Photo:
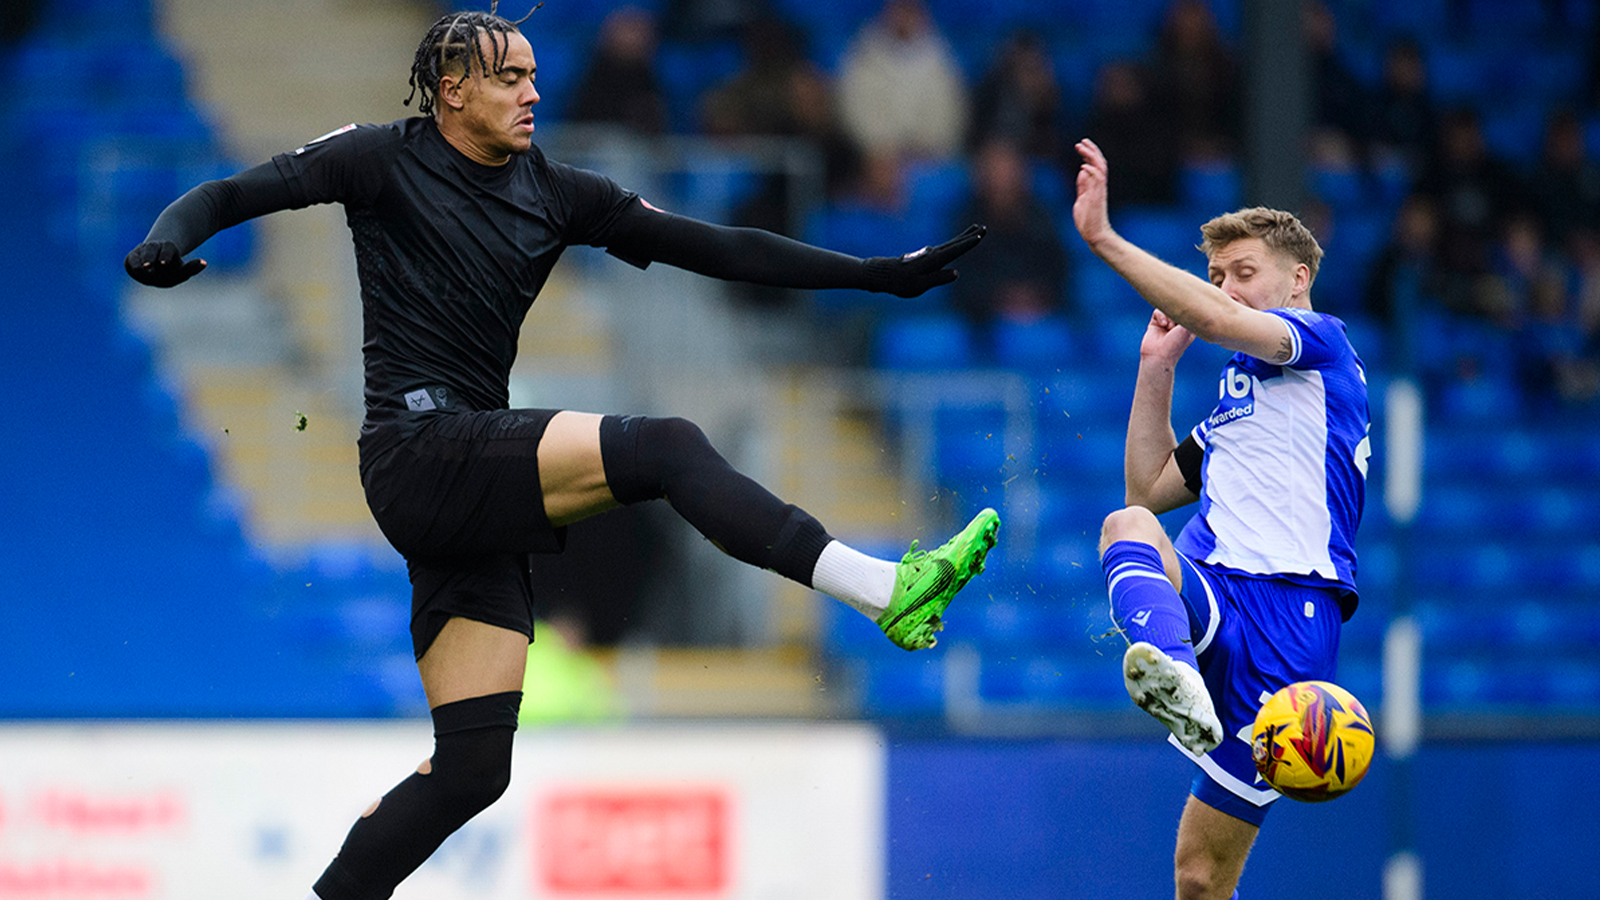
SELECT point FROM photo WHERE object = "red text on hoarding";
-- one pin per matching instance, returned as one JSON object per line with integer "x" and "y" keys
{"x": 633, "y": 841}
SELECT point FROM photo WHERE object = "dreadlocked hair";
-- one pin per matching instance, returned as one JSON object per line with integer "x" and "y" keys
{"x": 452, "y": 45}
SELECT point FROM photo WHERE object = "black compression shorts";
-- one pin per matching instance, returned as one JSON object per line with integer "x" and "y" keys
{"x": 460, "y": 499}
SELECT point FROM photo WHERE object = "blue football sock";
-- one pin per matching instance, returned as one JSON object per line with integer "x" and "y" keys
{"x": 1144, "y": 604}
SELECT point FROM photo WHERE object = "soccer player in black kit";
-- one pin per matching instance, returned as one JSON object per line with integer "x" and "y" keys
{"x": 457, "y": 219}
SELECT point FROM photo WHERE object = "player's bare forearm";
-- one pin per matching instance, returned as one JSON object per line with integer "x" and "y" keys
{"x": 1190, "y": 301}
{"x": 1150, "y": 440}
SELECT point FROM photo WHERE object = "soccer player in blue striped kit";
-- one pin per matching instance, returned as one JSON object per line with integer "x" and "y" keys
{"x": 1252, "y": 594}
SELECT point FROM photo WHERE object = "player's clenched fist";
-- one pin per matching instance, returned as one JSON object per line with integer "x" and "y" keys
{"x": 159, "y": 264}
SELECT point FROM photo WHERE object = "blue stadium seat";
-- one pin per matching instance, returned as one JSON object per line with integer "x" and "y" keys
{"x": 1071, "y": 561}
{"x": 861, "y": 231}
{"x": 1114, "y": 330}
{"x": 1210, "y": 189}
{"x": 1528, "y": 511}
{"x": 1553, "y": 76}
{"x": 1021, "y": 618}
{"x": 687, "y": 72}
{"x": 1343, "y": 188}
{"x": 1517, "y": 622}
{"x": 1077, "y": 62}
{"x": 711, "y": 187}
{"x": 831, "y": 26}
{"x": 1097, "y": 289}
{"x": 125, "y": 19}
{"x": 926, "y": 341}
{"x": 1094, "y": 451}
{"x": 935, "y": 189}
{"x": 1479, "y": 681}
{"x": 1057, "y": 679}
{"x": 1172, "y": 235}
{"x": 1506, "y": 20}
{"x": 1043, "y": 346}
{"x": 902, "y": 685}
{"x": 1370, "y": 339}
{"x": 1359, "y": 235}
{"x": 1459, "y": 75}
{"x": 1084, "y": 396}
{"x": 1421, "y": 18}
{"x": 1392, "y": 181}
{"x": 1515, "y": 131}
{"x": 970, "y": 444}
{"x": 1118, "y": 28}
{"x": 1486, "y": 398}
{"x": 1052, "y": 188}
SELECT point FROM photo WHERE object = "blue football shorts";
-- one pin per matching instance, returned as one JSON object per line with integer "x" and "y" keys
{"x": 1253, "y": 636}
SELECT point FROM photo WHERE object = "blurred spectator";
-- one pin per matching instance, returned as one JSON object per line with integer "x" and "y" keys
{"x": 1476, "y": 192}
{"x": 1529, "y": 291}
{"x": 882, "y": 186}
{"x": 1566, "y": 185}
{"x": 1340, "y": 101}
{"x": 1403, "y": 117}
{"x": 1019, "y": 271}
{"x": 1197, "y": 80}
{"x": 17, "y": 18}
{"x": 901, "y": 92}
{"x": 779, "y": 92}
{"x": 1585, "y": 249}
{"x": 759, "y": 98}
{"x": 1408, "y": 262}
{"x": 1521, "y": 268}
{"x": 1129, "y": 128}
{"x": 1019, "y": 101}
{"x": 621, "y": 86}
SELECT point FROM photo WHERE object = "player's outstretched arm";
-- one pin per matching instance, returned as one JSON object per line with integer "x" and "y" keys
{"x": 1192, "y": 302}
{"x": 643, "y": 234}
{"x": 189, "y": 220}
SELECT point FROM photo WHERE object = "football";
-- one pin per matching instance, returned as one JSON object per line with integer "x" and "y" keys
{"x": 1312, "y": 741}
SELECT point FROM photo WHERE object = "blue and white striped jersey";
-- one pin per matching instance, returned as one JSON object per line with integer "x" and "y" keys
{"x": 1286, "y": 461}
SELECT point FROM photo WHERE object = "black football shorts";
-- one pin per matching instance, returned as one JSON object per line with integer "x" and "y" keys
{"x": 459, "y": 497}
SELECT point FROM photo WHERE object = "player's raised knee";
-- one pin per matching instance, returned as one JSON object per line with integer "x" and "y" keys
{"x": 1131, "y": 523}
{"x": 678, "y": 433}
{"x": 1198, "y": 881}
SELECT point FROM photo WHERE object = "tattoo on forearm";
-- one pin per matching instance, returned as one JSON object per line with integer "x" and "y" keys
{"x": 1285, "y": 350}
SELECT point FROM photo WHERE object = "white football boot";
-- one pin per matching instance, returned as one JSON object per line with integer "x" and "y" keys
{"x": 1175, "y": 694}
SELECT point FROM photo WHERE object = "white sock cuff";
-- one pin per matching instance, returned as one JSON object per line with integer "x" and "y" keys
{"x": 865, "y": 582}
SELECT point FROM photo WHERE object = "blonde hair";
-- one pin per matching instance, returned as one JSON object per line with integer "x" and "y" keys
{"x": 1279, "y": 230}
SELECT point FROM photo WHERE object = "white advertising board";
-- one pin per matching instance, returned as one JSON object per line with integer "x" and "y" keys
{"x": 687, "y": 812}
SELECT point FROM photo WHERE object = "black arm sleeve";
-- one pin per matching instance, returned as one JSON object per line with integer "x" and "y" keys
{"x": 216, "y": 205}
{"x": 1190, "y": 459}
{"x": 641, "y": 235}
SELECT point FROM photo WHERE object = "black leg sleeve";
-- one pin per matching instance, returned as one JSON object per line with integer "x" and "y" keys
{"x": 648, "y": 458}
{"x": 470, "y": 769}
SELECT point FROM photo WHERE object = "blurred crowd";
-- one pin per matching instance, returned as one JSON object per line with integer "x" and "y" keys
{"x": 1500, "y": 251}
{"x": 1513, "y": 246}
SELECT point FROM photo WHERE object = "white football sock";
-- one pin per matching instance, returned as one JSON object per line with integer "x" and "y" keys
{"x": 864, "y": 582}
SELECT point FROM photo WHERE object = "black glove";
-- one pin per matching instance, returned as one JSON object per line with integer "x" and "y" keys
{"x": 159, "y": 264}
{"x": 919, "y": 270}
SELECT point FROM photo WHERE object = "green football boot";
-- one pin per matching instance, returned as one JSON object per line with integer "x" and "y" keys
{"x": 925, "y": 581}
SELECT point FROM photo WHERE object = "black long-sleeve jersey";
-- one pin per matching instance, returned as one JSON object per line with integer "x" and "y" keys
{"x": 452, "y": 253}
